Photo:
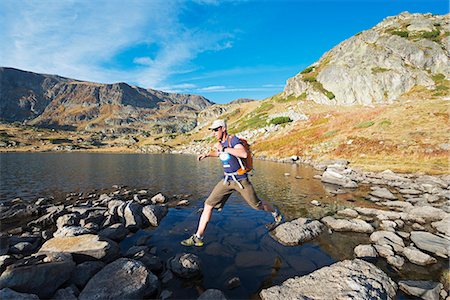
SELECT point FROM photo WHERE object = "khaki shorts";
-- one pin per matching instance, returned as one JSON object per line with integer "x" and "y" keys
{"x": 222, "y": 192}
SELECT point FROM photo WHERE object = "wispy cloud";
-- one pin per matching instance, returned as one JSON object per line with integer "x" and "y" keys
{"x": 212, "y": 88}
{"x": 80, "y": 39}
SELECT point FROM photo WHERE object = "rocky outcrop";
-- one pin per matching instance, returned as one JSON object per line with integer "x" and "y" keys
{"x": 378, "y": 65}
{"x": 349, "y": 279}
{"x": 54, "y": 101}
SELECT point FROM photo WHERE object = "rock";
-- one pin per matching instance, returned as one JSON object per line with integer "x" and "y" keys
{"x": 183, "y": 203}
{"x": 152, "y": 262}
{"x": 122, "y": 279}
{"x": 85, "y": 271}
{"x": 397, "y": 204}
{"x": 133, "y": 216}
{"x": 365, "y": 251}
{"x": 82, "y": 247}
{"x": 153, "y": 214}
{"x": 388, "y": 225}
{"x": 9, "y": 294}
{"x": 65, "y": 294}
{"x": 388, "y": 238}
{"x": 418, "y": 257}
{"x": 134, "y": 250}
{"x": 166, "y": 294}
{"x": 233, "y": 283}
{"x": 353, "y": 225}
{"x": 443, "y": 226}
{"x": 41, "y": 276}
{"x": 287, "y": 174}
{"x": 396, "y": 261}
{"x": 185, "y": 265}
{"x": 431, "y": 243}
{"x": 5, "y": 260}
{"x": 425, "y": 214}
{"x": 383, "y": 193}
{"x": 24, "y": 248}
{"x": 72, "y": 219}
{"x": 410, "y": 191}
{"x": 210, "y": 294}
{"x": 348, "y": 213}
{"x": 417, "y": 227}
{"x": 315, "y": 202}
{"x": 67, "y": 231}
{"x": 113, "y": 206}
{"x": 115, "y": 232}
{"x": 384, "y": 250}
{"x": 427, "y": 290}
{"x": 166, "y": 276}
{"x": 298, "y": 231}
{"x": 338, "y": 179}
{"x": 159, "y": 198}
{"x": 372, "y": 212}
{"x": 349, "y": 279}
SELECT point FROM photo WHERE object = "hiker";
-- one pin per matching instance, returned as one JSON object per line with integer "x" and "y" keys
{"x": 231, "y": 151}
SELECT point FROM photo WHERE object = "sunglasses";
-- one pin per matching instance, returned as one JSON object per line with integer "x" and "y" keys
{"x": 216, "y": 129}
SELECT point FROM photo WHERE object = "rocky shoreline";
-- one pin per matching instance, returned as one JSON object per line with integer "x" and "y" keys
{"x": 70, "y": 249}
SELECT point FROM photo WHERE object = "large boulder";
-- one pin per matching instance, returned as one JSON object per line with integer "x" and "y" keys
{"x": 41, "y": 275}
{"x": 353, "y": 225}
{"x": 9, "y": 294}
{"x": 115, "y": 232}
{"x": 298, "y": 231}
{"x": 85, "y": 271}
{"x": 185, "y": 265}
{"x": 133, "y": 216}
{"x": 122, "y": 279}
{"x": 429, "y": 242}
{"x": 349, "y": 279}
{"x": 83, "y": 247}
{"x": 153, "y": 214}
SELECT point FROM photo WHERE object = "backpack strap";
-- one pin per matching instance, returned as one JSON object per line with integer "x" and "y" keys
{"x": 229, "y": 140}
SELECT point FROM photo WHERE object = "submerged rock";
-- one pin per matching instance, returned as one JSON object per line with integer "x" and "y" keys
{"x": 122, "y": 279}
{"x": 185, "y": 265}
{"x": 298, "y": 231}
{"x": 349, "y": 279}
{"x": 212, "y": 294}
{"x": 333, "y": 177}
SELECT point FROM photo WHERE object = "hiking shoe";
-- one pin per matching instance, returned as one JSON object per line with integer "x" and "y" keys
{"x": 192, "y": 241}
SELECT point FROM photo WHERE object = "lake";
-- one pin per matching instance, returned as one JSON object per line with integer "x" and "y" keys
{"x": 237, "y": 243}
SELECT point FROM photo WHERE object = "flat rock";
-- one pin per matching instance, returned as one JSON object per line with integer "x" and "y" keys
{"x": 425, "y": 214}
{"x": 333, "y": 177}
{"x": 373, "y": 212}
{"x": 185, "y": 265}
{"x": 429, "y": 242}
{"x": 427, "y": 290}
{"x": 396, "y": 261}
{"x": 352, "y": 225}
{"x": 297, "y": 231}
{"x": 443, "y": 226}
{"x": 383, "y": 193}
{"x": 384, "y": 250}
{"x": 41, "y": 276}
{"x": 9, "y": 294}
{"x": 153, "y": 214}
{"x": 397, "y": 204}
{"x": 348, "y": 213}
{"x": 122, "y": 279}
{"x": 418, "y": 257}
{"x": 82, "y": 247}
{"x": 349, "y": 279}
{"x": 388, "y": 238}
{"x": 365, "y": 251}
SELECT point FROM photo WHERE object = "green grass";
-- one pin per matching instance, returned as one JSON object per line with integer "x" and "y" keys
{"x": 250, "y": 122}
{"x": 307, "y": 70}
{"x": 385, "y": 123}
{"x": 431, "y": 35}
{"x": 280, "y": 120}
{"x": 364, "y": 124}
{"x": 330, "y": 133}
{"x": 400, "y": 33}
{"x": 266, "y": 106}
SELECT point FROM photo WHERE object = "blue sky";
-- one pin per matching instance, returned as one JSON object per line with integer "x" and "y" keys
{"x": 222, "y": 50}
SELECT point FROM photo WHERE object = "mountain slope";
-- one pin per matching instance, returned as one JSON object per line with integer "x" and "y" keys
{"x": 54, "y": 101}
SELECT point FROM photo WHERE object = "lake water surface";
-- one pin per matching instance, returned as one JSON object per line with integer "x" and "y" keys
{"x": 237, "y": 244}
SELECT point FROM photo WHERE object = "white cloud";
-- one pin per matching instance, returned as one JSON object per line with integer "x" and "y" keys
{"x": 213, "y": 88}
{"x": 79, "y": 39}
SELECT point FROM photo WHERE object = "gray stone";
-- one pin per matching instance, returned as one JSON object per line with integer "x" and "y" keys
{"x": 83, "y": 247}
{"x": 372, "y": 212}
{"x": 298, "y": 231}
{"x": 348, "y": 213}
{"x": 388, "y": 225}
{"x": 365, "y": 251}
{"x": 67, "y": 231}
{"x": 5, "y": 260}
{"x": 153, "y": 214}
{"x": 384, "y": 250}
{"x": 333, "y": 177}
{"x": 396, "y": 261}
{"x": 122, "y": 279}
{"x": 397, "y": 204}
{"x": 113, "y": 206}
{"x": 115, "y": 232}
{"x": 418, "y": 257}
{"x": 9, "y": 294}
{"x": 388, "y": 238}
{"x": 427, "y": 290}
{"x": 72, "y": 219}
{"x": 85, "y": 271}
{"x": 349, "y": 279}
{"x": 383, "y": 193}
{"x": 41, "y": 276}
{"x": 431, "y": 243}
{"x": 353, "y": 225}
{"x": 212, "y": 294}
{"x": 65, "y": 294}
{"x": 185, "y": 265}
{"x": 443, "y": 226}
{"x": 133, "y": 216}
{"x": 166, "y": 294}
{"x": 159, "y": 198}
{"x": 24, "y": 248}
{"x": 425, "y": 214}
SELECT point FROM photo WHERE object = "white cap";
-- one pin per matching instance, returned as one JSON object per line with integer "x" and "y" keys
{"x": 218, "y": 123}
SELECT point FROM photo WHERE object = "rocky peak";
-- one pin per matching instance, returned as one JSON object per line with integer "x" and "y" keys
{"x": 380, "y": 64}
